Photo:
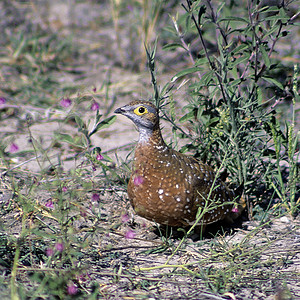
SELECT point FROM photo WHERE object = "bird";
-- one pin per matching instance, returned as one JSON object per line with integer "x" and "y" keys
{"x": 168, "y": 187}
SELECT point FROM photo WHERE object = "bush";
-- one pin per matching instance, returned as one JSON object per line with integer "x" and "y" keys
{"x": 234, "y": 87}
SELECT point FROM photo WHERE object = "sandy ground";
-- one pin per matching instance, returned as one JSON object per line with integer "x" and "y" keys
{"x": 95, "y": 61}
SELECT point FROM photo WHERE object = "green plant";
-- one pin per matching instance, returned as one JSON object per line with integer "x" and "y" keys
{"x": 63, "y": 235}
{"x": 34, "y": 56}
{"x": 285, "y": 145}
{"x": 230, "y": 90}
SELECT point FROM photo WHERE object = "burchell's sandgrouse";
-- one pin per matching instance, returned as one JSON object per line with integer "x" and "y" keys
{"x": 169, "y": 187}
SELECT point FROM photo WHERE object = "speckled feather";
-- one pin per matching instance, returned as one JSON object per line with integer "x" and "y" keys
{"x": 166, "y": 186}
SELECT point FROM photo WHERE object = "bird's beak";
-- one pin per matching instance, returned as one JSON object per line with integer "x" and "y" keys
{"x": 119, "y": 110}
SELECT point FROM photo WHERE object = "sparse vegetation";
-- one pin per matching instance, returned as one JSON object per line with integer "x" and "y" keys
{"x": 231, "y": 98}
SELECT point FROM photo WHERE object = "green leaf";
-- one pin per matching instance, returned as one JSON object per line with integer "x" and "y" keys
{"x": 265, "y": 55}
{"x": 98, "y": 116}
{"x": 185, "y": 72}
{"x": 165, "y": 89}
{"x": 201, "y": 61}
{"x": 106, "y": 157}
{"x": 79, "y": 122}
{"x": 237, "y": 19}
{"x": 269, "y": 9}
{"x": 206, "y": 78}
{"x": 283, "y": 15}
{"x": 83, "y": 141}
{"x": 189, "y": 116}
{"x": 273, "y": 81}
{"x": 233, "y": 83}
{"x": 212, "y": 121}
{"x": 173, "y": 46}
{"x": 239, "y": 60}
{"x": 63, "y": 137}
{"x": 103, "y": 124}
{"x": 241, "y": 48}
{"x": 259, "y": 95}
{"x": 271, "y": 30}
{"x": 221, "y": 7}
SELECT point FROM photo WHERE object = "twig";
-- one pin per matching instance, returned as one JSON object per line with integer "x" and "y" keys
{"x": 212, "y": 66}
{"x": 185, "y": 45}
{"x": 20, "y": 164}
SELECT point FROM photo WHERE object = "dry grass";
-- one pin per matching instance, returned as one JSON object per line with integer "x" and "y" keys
{"x": 67, "y": 229}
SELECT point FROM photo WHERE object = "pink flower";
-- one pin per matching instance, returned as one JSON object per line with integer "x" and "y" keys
{"x": 49, "y": 252}
{"x": 13, "y": 148}
{"x": 64, "y": 189}
{"x": 66, "y": 102}
{"x": 94, "y": 106}
{"x": 95, "y": 197}
{"x": 130, "y": 234}
{"x": 125, "y": 218}
{"x": 49, "y": 204}
{"x": 59, "y": 247}
{"x": 2, "y": 100}
{"x": 138, "y": 180}
{"x": 72, "y": 289}
{"x": 99, "y": 157}
{"x": 235, "y": 210}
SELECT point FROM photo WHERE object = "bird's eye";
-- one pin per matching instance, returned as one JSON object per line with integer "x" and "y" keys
{"x": 141, "y": 110}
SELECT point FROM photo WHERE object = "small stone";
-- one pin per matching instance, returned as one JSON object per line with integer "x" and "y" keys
{"x": 285, "y": 220}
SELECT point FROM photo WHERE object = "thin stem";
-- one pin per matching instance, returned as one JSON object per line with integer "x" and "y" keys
{"x": 214, "y": 19}
{"x": 185, "y": 45}
{"x": 212, "y": 66}
{"x": 151, "y": 65}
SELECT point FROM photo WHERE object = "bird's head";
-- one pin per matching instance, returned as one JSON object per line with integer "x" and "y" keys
{"x": 143, "y": 114}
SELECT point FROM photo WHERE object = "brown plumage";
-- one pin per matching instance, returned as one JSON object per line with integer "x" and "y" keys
{"x": 166, "y": 186}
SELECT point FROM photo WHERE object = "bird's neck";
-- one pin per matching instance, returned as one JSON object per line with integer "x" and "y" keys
{"x": 150, "y": 137}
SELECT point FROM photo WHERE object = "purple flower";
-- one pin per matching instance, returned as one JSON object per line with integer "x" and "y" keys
{"x": 49, "y": 204}
{"x": 99, "y": 157}
{"x": 13, "y": 148}
{"x": 72, "y": 289}
{"x": 130, "y": 234}
{"x": 94, "y": 89}
{"x": 65, "y": 102}
{"x": 235, "y": 210}
{"x": 64, "y": 189}
{"x": 95, "y": 197}
{"x": 59, "y": 247}
{"x": 2, "y": 100}
{"x": 125, "y": 218}
{"x": 49, "y": 252}
{"x": 94, "y": 106}
{"x": 138, "y": 180}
